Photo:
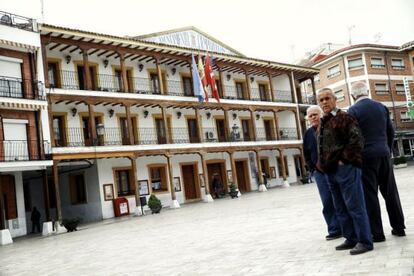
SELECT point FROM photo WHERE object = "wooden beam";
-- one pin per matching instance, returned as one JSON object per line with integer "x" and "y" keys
{"x": 55, "y": 171}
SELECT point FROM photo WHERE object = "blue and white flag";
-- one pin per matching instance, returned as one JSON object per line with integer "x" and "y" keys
{"x": 197, "y": 86}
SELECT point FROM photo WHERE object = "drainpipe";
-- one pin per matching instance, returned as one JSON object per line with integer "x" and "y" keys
{"x": 346, "y": 81}
{"x": 400, "y": 151}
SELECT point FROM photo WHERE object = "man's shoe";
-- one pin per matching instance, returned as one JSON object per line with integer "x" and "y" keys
{"x": 378, "y": 238}
{"x": 359, "y": 249}
{"x": 333, "y": 237}
{"x": 398, "y": 233}
{"x": 345, "y": 245}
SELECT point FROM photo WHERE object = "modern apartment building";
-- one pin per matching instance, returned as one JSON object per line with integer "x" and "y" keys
{"x": 384, "y": 69}
{"x": 24, "y": 128}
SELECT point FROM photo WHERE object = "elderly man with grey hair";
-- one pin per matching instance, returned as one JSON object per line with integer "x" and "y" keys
{"x": 377, "y": 172}
{"x": 310, "y": 150}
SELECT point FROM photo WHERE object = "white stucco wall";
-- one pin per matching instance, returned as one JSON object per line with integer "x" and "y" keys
{"x": 17, "y": 226}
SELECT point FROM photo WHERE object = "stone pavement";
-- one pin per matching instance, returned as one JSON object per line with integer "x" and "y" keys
{"x": 280, "y": 232}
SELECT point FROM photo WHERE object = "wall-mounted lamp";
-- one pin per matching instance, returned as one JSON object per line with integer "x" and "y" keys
{"x": 179, "y": 114}
{"x": 68, "y": 59}
{"x": 74, "y": 111}
{"x": 251, "y": 79}
{"x": 145, "y": 112}
{"x": 105, "y": 63}
{"x": 111, "y": 113}
{"x": 228, "y": 76}
{"x": 257, "y": 116}
{"x": 173, "y": 71}
{"x": 140, "y": 67}
{"x": 208, "y": 115}
{"x": 234, "y": 116}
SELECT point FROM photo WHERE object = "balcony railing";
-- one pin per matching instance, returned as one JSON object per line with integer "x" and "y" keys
{"x": 17, "y": 21}
{"x": 308, "y": 99}
{"x": 111, "y": 83}
{"x": 79, "y": 137}
{"x": 21, "y": 88}
{"x": 283, "y": 96}
{"x": 288, "y": 133}
{"x": 398, "y": 67}
{"x": 382, "y": 91}
{"x": 334, "y": 74}
{"x": 23, "y": 150}
{"x": 378, "y": 66}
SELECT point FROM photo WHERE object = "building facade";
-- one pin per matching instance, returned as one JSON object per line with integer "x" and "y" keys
{"x": 383, "y": 68}
{"x": 24, "y": 129}
{"x": 124, "y": 122}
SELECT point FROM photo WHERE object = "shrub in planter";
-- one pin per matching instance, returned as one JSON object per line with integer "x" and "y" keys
{"x": 71, "y": 224}
{"x": 233, "y": 191}
{"x": 154, "y": 204}
{"x": 400, "y": 160}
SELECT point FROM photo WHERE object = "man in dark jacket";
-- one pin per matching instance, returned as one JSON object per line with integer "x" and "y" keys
{"x": 310, "y": 150}
{"x": 340, "y": 145}
{"x": 377, "y": 172}
{"x": 35, "y": 218}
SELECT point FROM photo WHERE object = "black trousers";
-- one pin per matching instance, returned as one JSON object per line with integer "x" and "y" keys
{"x": 378, "y": 173}
{"x": 35, "y": 224}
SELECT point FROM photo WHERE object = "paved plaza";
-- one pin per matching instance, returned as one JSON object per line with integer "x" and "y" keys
{"x": 280, "y": 232}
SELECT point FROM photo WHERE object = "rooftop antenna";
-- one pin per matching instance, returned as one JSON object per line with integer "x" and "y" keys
{"x": 377, "y": 37}
{"x": 350, "y": 28}
{"x": 42, "y": 11}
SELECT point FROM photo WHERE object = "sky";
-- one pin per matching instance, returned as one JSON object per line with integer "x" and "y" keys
{"x": 278, "y": 30}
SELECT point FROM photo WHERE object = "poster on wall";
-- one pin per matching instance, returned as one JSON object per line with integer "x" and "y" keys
{"x": 108, "y": 190}
{"x": 143, "y": 187}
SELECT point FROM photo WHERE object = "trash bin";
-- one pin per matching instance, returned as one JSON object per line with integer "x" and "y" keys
{"x": 121, "y": 206}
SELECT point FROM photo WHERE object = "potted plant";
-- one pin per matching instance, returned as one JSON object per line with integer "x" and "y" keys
{"x": 400, "y": 162}
{"x": 233, "y": 191}
{"x": 154, "y": 204}
{"x": 71, "y": 224}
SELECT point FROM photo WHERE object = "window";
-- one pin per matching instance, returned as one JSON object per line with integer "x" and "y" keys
{"x": 333, "y": 71}
{"x": 188, "y": 86}
{"x": 377, "y": 62}
{"x": 239, "y": 90}
{"x": 155, "y": 84}
{"x": 263, "y": 92}
{"x": 77, "y": 188}
{"x": 59, "y": 130}
{"x": 381, "y": 88}
{"x": 123, "y": 182}
{"x": 355, "y": 63}
{"x": 53, "y": 74}
{"x": 397, "y": 63}
{"x": 158, "y": 178}
{"x": 404, "y": 117}
{"x": 399, "y": 87}
{"x": 340, "y": 96}
{"x": 317, "y": 78}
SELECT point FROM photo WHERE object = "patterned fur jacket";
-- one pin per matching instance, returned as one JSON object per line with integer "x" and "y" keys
{"x": 339, "y": 139}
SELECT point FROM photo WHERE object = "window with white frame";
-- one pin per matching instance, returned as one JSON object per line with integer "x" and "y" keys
{"x": 333, "y": 71}
{"x": 355, "y": 63}
{"x": 381, "y": 88}
{"x": 404, "y": 117}
{"x": 397, "y": 63}
{"x": 377, "y": 62}
{"x": 340, "y": 96}
{"x": 399, "y": 88}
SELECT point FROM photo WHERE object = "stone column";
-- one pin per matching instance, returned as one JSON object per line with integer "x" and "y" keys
{"x": 134, "y": 180}
{"x": 208, "y": 197}
{"x": 198, "y": 120}
{"x": 233, "y": 169}
{"x": 174, "y": 201}
{"x": 46, "y": 194}
{"x": 262, "y": 186}
{"x": 282, "y": 160}
{"x": 55, "y": 170}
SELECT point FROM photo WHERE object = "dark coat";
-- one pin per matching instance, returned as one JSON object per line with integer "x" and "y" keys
{"x": 376, "y": 127}
{"x": 35, "y": 216}
{"x": 339, "y": 139}
{"x": 310, "y": 148}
